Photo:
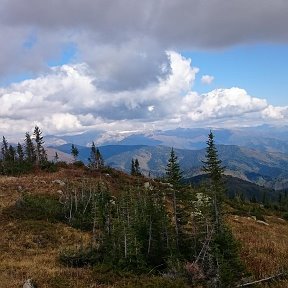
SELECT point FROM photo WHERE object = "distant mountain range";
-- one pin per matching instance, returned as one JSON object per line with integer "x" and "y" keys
{"x": 241, "y": 188}
{"x": 264, "y": 138}
{"x": 268, "y": 169}
{"x": 255, "y": 154}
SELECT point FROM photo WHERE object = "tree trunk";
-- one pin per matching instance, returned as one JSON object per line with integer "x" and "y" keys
{"x": 176, "y": 219}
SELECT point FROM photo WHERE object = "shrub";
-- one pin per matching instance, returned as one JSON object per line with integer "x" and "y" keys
{"x": 226, "y": 251}
{"x": 258, "y": 213}
{"x": 62, "y": 164}
{"x": 285, "y": 216}
{"x": 49, "y": 166}
{"x": 79, "y": 257}
{"x": 78, "y": 164}
{"x": 37, "y": 207}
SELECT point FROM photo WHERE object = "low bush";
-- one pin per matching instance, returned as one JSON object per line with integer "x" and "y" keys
{"x": 37, "y": 207}
{"x": 49, "y": 166}
{"x": 79, "y": 257}
{"x": 78, "y": 164}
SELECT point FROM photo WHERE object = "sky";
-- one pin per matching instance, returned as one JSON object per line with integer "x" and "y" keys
{"x": 72, "y": 66}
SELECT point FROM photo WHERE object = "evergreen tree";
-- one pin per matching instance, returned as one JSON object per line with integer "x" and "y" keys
{"x": 132, "y": 170}
{"x": 212, "y": 164}
{"x": 4, "y": 149}
{"x": 137, "y": 167}
{"x": 174, "y": 176}
{"x": 95, "y": 160}
{"x": 11, "y": 154}
{"x": 173, "y": 172}
{"x": 56, "y": 157}
{"x": 8, "y": 158}
{"x": 222, "y": 265}
{"x": 40, "y": 152}
{"x": 20, "y": 152}
{"x": 29, "y": 149}
{"x": 74, "y": 152}
{"x": 214, "y": 169}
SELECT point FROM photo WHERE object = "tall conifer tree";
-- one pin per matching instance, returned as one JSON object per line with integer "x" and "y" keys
{"x": 29, "y": 149}
{"x": 74, "y": 152}
{"x": 95, "y": 160}
{"x": 224, "y": 267}
{"x": 40, "y": 152}
{"x": 173, "y": 171}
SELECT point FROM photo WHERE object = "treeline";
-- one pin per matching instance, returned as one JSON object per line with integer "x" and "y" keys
{"x": 95, "y": 161}
{"x": 31, "y": 155}
{"x": 26, "y": 157}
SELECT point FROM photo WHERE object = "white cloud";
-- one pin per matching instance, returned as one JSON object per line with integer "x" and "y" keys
{"x": 221, "y": 104}
{"x": 151, "y": 108}
{"x": 68, "y": 100}
{"x": 207, "y": 79}
{"x": 275, "y": 113}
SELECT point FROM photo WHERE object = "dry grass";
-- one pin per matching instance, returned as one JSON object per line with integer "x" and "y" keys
{"x": 30, "y": 248}
{"x": 264, "y": 247}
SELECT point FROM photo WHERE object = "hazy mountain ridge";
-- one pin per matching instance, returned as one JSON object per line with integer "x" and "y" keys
{"x": 263, "y": 138}
{"x": 240, "y": 188}
{"x": 256, "y": 154}
{"x": 269, "y": 169}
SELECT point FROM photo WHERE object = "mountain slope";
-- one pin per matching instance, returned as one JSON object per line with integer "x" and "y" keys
{"x": 241, "y": 188}
{"x": 269, "y": 169}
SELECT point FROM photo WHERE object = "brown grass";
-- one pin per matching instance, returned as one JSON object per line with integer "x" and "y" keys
{"x": 30, "y": 248}
{"x": 264, "y": 247}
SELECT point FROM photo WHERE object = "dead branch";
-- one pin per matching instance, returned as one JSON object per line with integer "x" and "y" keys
{"x": 263, "y": 280}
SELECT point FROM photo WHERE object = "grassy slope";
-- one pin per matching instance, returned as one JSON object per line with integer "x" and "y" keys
{"x": 30, "y": 248}
{"x": 264, "y": 247}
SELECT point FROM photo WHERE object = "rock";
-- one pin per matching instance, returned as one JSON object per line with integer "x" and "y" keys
{"x": 236, "y": 219}
{"x": 147, "y": 186}
{"x": 166, "y": 184}
{"x": 28, "y": 284}
{"x": 60, "y": 192}
{"x": 58, "y": 181}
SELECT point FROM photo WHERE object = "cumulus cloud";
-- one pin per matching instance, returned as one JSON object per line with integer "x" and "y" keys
{"x": 221, "y": 103}
{"x": 207, "y": 79}
{"x": 275, "y": 113}
{"x": 69, "y": 99}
